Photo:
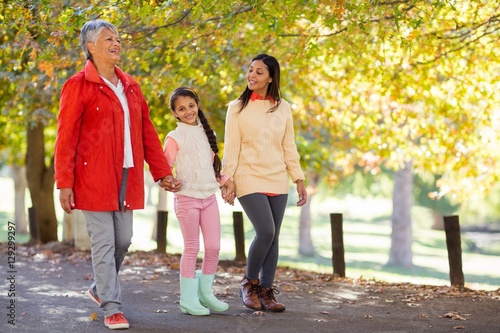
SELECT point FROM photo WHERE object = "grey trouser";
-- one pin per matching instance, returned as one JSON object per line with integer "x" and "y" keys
{"x": 266, "y": 214}
{"x": 110, "y": 236}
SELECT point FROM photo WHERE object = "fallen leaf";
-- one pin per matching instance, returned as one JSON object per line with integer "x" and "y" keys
{"x": 453, "y": 316}
{"x": 259, "y": 313}
{"x": 93, "y": 316}
{"x": 458, "y": 327}
{"x": 422, "y": 316}
{"x": 288, "y": 287}
{"x": 367, "y": 316}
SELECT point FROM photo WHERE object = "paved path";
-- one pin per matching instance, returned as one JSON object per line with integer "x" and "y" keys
{"x": 49, "y": 298}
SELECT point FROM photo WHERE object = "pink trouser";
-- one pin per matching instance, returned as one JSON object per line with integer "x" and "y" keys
{"x": 192, "y": 214}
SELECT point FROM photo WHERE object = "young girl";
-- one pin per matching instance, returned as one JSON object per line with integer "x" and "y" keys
{"x": 192, "y": 148}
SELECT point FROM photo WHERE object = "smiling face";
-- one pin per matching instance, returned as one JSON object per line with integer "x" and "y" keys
{"x": 186, "y": 110}
{"x": 106, "y": 49}
{"x": 258, "y": 77}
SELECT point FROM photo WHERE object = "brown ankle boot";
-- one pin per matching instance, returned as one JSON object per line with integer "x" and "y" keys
{"x": 268, "y": 301}
{"x": 249, "y": 292}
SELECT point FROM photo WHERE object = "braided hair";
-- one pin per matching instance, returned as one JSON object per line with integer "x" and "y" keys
{"x": 184, "y": 91}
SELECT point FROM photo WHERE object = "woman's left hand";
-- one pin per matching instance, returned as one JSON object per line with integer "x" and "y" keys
{"x": 301, "y": 191}
{"x": 228, "y": 192}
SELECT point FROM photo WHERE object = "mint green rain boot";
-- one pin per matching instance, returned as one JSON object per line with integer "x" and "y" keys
{"x": 189, "y": 297}
{"x": 206, "y": 294}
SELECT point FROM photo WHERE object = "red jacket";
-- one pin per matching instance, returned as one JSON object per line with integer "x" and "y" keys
{"x": 90, "y": 140}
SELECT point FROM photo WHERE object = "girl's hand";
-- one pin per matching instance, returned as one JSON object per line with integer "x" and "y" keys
{"x": 171, "y": 184}
{"x": 228, "y": 192}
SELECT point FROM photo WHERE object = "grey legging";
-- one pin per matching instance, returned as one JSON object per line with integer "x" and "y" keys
{"x": 266, "y": 214}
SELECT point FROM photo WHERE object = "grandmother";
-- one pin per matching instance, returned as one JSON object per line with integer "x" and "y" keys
{"x": 104, "y": 136}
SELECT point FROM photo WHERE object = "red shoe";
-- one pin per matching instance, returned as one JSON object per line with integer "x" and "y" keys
{"x": 93, "y": 297}
{"x": 116, "y": 322}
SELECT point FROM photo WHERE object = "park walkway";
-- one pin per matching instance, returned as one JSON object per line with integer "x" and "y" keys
{"x": 49, "y": 289}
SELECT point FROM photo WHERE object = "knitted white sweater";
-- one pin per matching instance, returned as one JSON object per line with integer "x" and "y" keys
{"x": 194, "y": 161}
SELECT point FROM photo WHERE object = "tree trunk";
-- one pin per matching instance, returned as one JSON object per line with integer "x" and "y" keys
{"x": 41, "y": 183}
{"x": 306, "y": 247}
{"x": 20, "y": 185}
{"x": 68, "y": 229}
{"x": 437, "y": 221}
{"x": 401, "y": 238}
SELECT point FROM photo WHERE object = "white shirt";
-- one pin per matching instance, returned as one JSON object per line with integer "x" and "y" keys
{"x": 128, "y": 158}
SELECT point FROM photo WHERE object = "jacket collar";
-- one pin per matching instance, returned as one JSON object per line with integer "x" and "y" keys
{"x": 92, "y": 75}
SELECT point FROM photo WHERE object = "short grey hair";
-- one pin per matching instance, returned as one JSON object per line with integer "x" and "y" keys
{"x": 90, "y": 31}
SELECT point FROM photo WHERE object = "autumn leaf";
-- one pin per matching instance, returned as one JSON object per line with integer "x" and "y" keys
{"x": 453, "y": 316}
{"x": 88, "y": 277}
{"x": 93, "y": 316}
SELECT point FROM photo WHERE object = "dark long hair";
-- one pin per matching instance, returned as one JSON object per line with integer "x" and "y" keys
{"x": 184, "y": 91}
{"x": 273, "y": 89}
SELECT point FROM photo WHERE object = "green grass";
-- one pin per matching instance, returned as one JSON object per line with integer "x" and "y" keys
{"x": 367, "y": 230}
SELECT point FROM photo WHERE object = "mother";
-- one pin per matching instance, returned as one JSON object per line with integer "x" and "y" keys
{"x": 260, "y": 155}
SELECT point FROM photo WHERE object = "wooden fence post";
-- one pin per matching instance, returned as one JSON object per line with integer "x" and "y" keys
{"x": 338, "y": 260}
{"x": 452, "y": 230}
{"x": 161, "y": 231}
{"x": 239, "y": 236}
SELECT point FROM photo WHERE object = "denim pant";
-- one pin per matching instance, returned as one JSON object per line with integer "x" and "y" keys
{"x": 110, "y": 236}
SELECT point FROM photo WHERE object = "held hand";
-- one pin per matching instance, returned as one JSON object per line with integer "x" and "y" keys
{"x": 228, "y": 192}
{"x": 67, "y": 199}
{"x": 301, "y": 191}
{"x": 171, "y": 184}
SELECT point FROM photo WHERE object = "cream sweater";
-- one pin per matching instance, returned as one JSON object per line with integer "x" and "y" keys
{"x": 259, "y": 148}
